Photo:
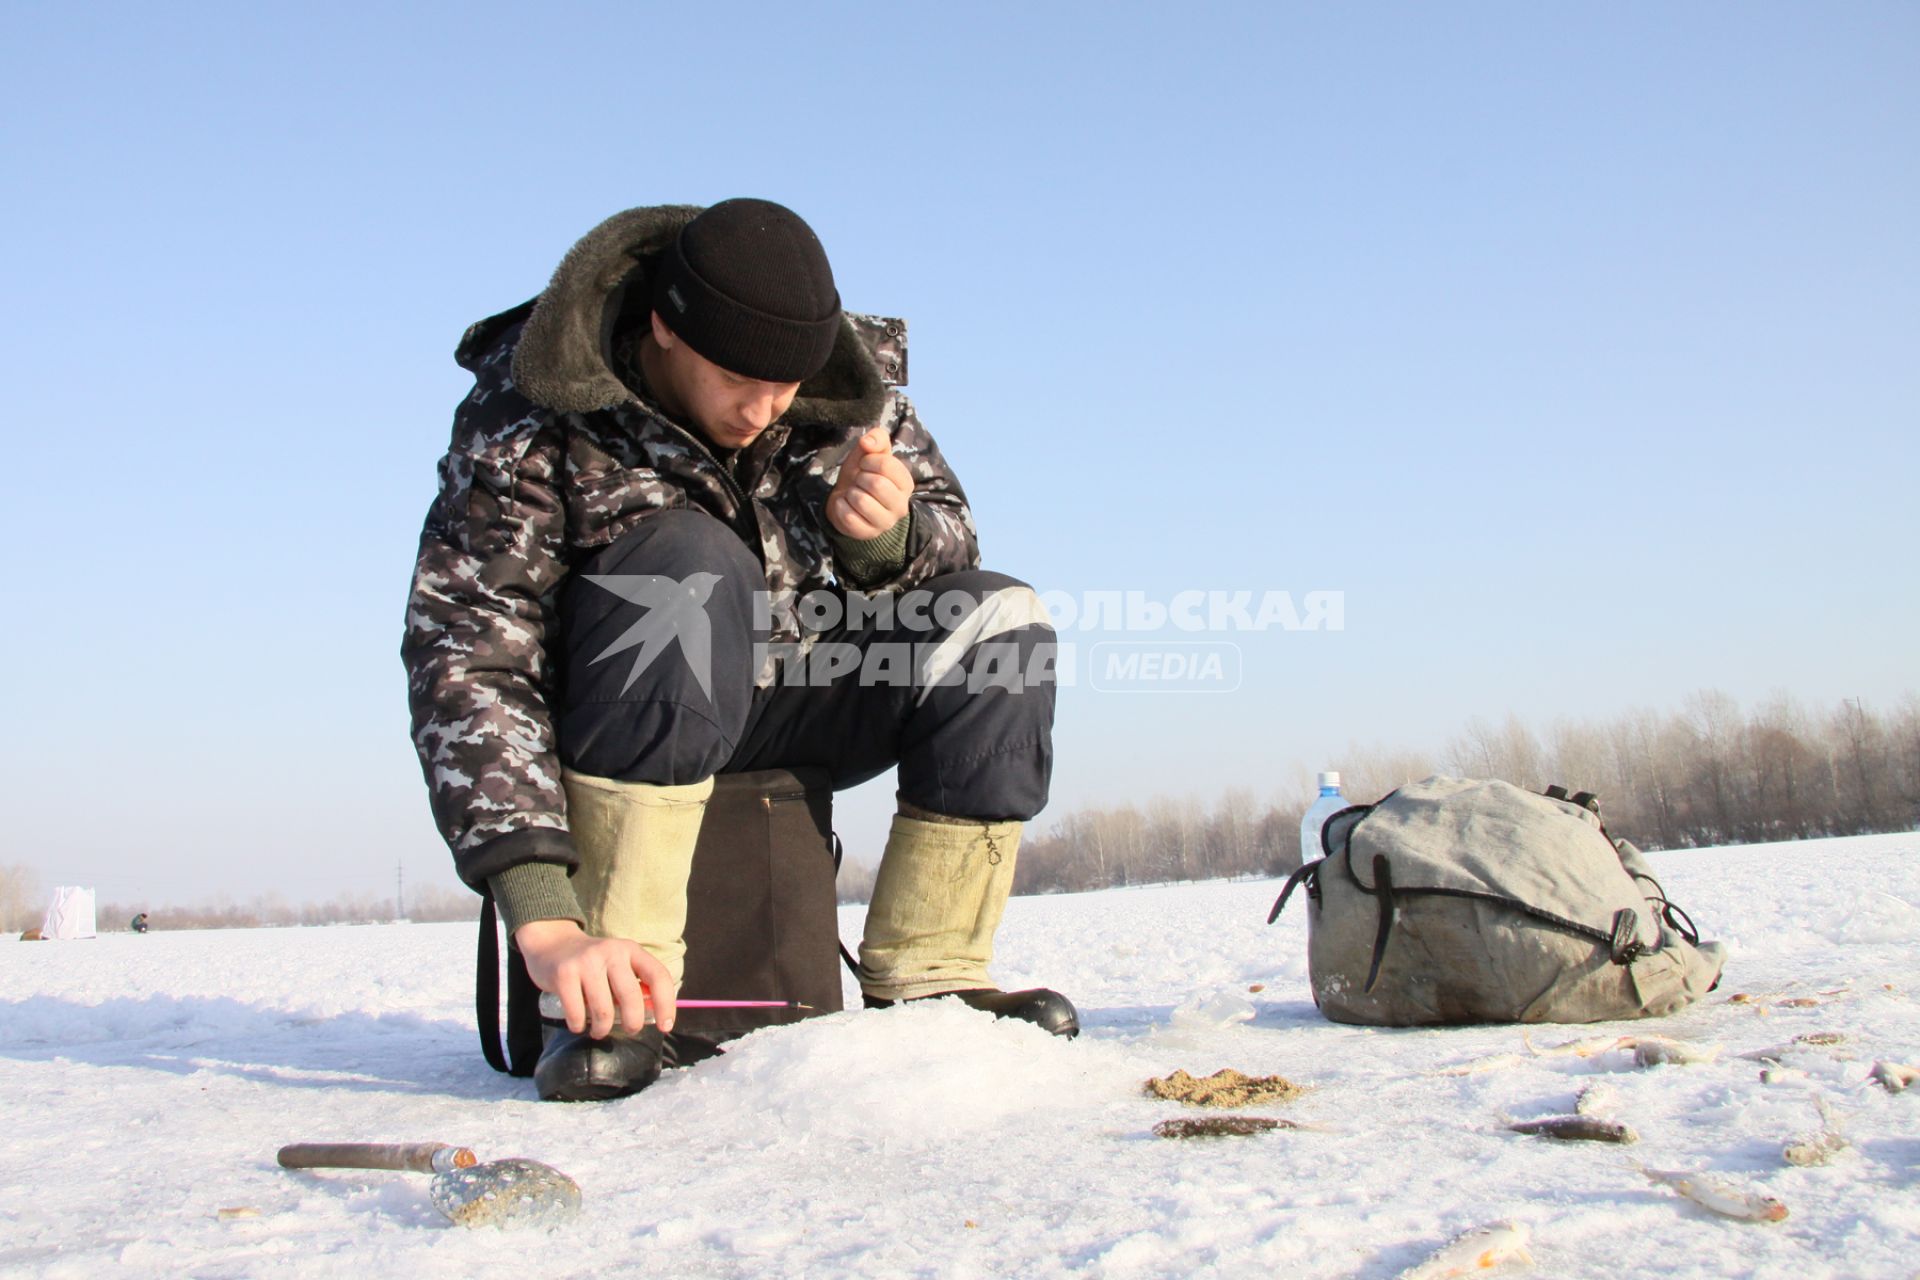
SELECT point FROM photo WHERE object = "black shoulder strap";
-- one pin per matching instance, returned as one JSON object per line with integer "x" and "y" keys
{"x": 846, "y": 956}
{"x": 486, "y": 986}
{"x": 523, "y": 1001}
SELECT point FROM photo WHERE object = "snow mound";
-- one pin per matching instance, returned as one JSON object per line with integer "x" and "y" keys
{"x": 925, "y": 1072}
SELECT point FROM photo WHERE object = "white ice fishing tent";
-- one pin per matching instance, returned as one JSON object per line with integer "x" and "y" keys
{"x": 71, "y": 915}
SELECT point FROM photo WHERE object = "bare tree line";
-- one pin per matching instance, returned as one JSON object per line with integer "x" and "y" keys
{"x": 1708, "y": 774}
{"x": 854, "y": 883}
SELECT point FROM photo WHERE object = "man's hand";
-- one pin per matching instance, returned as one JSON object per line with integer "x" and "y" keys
{"x": 596, "y": 979}
{"x": 871, "y": 494}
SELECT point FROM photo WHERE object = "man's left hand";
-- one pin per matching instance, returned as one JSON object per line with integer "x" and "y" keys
{"x": 871, "y": 494}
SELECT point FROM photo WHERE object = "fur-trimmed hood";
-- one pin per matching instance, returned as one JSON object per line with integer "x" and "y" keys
{"x": 564, "y": 357}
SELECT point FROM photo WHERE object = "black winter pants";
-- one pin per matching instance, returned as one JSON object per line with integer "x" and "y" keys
{"x": 663, "y": 631}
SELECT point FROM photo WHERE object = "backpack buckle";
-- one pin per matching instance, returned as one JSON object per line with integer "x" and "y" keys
{"x": 1624, "y": 946}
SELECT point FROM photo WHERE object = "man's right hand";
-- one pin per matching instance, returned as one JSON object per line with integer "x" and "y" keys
{"x": 596, "y": 979}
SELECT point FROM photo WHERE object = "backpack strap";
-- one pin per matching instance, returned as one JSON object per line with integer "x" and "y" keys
{"x": 846, "y": 956}
{"x": 1582, "y": 799}
{"x": 1682, "y": 922}
{"x": 523, "y": 1000}
{"x": 1676, "y": 919}
{"x": 1383, "y": 878}
{"x": 1309, "y": 872}
{"x": 486, "y": 985}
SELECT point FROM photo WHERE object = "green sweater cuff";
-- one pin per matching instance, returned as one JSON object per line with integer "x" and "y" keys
{"x": 535, "y": 891}
{"x": 865, "y": 561}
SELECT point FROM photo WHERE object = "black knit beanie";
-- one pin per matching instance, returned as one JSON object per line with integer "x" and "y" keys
{"x": 747, "y": 285}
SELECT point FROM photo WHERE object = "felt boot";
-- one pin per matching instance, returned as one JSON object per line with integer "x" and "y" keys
{"x": 937, "y": 900}
{"x": 636, "y": 842}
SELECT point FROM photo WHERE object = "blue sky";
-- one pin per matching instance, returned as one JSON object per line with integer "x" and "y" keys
{"x": 1576, "y": 344}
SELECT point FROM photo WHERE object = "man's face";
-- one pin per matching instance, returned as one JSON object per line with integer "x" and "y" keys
{"x": 729, "y": 409}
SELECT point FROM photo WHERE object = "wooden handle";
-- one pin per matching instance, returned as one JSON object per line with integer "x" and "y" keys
{"x": 417, "y": 1157}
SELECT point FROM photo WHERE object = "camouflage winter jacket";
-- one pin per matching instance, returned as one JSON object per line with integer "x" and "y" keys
{"x": 552, "y": 458}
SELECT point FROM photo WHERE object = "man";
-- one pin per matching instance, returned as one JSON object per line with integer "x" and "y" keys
{"x": 687, "y": 526}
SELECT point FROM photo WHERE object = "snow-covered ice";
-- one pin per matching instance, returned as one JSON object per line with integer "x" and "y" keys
{"x": 146, "y": 1081}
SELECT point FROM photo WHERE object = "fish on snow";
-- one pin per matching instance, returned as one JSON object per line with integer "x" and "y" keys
{"x": 1727, "y": 1197}
{"x": 1476, "y": 1253}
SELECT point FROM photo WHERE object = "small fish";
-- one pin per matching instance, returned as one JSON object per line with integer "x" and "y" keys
{"x": 1799, "y": 1044}
{"x": 1221, "y": 1127}
{"x": 1577, "y": 1128}
{"x": 1597, "y": 1099}
{"x": 1724, "y": 1196}
{"x": 1475, "y": 1252}
{"x": 1659, "y": 1051}
{"x": 1752, "y": 997}
{"x": 1579, "y": 1048}
{"x": 1777, "y": 1074}
{"x": 1819, "y": 1147}
{"x": 1799, "y": 1002}
{"x": 1893, "y": 1077}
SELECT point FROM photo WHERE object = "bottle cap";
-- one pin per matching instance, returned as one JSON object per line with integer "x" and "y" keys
{"x": 1330, "y": 779}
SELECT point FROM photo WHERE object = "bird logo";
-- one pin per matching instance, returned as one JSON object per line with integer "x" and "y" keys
{"x": 675, "y": 610}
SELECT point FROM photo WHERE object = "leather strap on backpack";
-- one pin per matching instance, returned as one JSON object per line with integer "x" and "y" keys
{"x": 1383, "y": 879}
{"x": 1309, "y": 874}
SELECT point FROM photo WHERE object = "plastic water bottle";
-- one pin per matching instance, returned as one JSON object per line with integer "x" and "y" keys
{"x": 1329, "y": 802}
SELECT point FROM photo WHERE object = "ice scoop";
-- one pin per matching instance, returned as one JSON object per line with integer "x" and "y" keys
{"x": 499, "y": 1193}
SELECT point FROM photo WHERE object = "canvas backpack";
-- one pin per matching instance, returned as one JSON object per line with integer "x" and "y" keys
{"x": 1455, "y": 900}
